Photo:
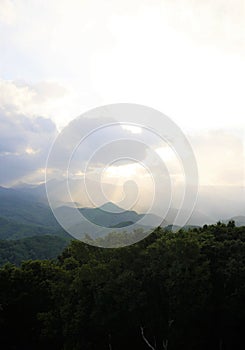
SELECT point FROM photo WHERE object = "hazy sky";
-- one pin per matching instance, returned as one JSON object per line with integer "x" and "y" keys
{"x": 185, "y": 58}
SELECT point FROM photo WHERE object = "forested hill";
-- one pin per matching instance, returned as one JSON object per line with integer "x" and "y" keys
{"x": 36, "y": 247}
{"x": 171, "y": 291}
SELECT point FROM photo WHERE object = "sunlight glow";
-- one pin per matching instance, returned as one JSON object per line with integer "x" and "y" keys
{"x": 133, "y": 129}
{"x": 31, "y": 151}
{"x": 121, "y": 171}
{"x": 166, "y": 153}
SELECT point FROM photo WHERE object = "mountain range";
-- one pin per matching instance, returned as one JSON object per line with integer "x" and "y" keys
{"x": 24, "y": 212}
{"x": 29, "y": 229}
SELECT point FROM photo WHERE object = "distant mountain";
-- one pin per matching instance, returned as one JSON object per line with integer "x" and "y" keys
{"x": 122, "y": 224}
{"x": 25, "y": 208}
{"x": 23, "y": 185}
{"x": 13, "y": 230}
{"x": 221, "y": 202}
{"x": 10, "y": 230}
{"x": 111, "y": 207}
{"x": 114, "y": 215}
{"x": 24, "y": 215}
{"x": 214, "y": 203}
{"x": 35, "y": 191}
{"x": 197, "y": 218}
{"x": 107, "y": 216}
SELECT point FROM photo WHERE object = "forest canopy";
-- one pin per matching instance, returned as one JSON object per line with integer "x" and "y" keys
{"x": 182, "y": 290}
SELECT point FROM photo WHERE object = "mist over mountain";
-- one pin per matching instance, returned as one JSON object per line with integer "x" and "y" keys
{"x": 25, "y": 207}
{"x": 24, "y": 212}
{"x": 214, "y": 203}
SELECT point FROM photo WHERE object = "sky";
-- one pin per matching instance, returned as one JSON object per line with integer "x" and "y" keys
{"x": 61, "y": 58}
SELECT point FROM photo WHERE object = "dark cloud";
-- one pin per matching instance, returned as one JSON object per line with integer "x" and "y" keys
{"x": 101, "y": 138}
{"x": 24, "y": 144}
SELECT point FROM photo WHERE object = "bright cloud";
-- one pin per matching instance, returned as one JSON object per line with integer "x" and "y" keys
{"x": 133, "y": 129}
{"x": 184, "y": 58}
{"x": 220, "y": 157}
{"x": 61, "y": 58}
{"x": 7, "y": 12}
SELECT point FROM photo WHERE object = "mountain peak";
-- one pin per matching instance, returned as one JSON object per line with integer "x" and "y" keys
{"x": 111, "y": 207}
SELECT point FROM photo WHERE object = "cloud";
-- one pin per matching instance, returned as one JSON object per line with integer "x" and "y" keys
{"x": 32, "y": 99}
{"x": 24, "y": 145}
{"x": 185, "y": 58}
{"x": 23, "y": 151}
{"x": 25, "y": 138}
{"x": 220, "y": 157}
{"x": 7, "y": 12}
{"x": 97, "y": 140}
{"x": 219, "y": 22}
{"x": 48, "y": 98}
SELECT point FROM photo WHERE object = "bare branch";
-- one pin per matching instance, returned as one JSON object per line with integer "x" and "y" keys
{"x": 155, "y": 342}
{"x": 110, "y": 346}
{"x": 170, "y": 322}
{"x": 145, "y": 340}
{"x": 165, "y": 344}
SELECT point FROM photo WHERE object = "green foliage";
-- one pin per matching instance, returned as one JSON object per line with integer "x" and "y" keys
{"x": 183, "y": 290}
{"x": 38, "y": 247}
{"x": 25, "y": 209}
{"x": 10, "y": 229}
